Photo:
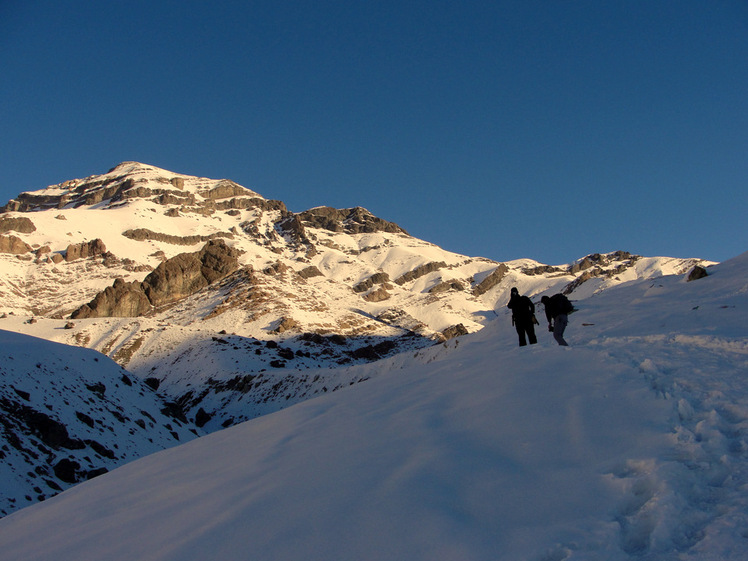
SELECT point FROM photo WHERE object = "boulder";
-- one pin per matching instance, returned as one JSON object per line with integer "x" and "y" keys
{"x": 696, "y": 273}
{"x": 378, "y": 295}
{"x": 16, "y": 224}
{"x": 310, "y": 272}
{"x": 454, "y": 331}
{"x": 13, "y": 245}
{"x": 84, "y": 250}
{"x": 66, "y": 470}
{"x": 287, "y": 324}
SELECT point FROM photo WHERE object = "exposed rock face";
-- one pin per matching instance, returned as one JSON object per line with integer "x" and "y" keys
{"x": 310, "y": 272}
{"x": 132, "y": 180}
{"x": 246, "y": 203}
{"x": 543, "y": 270}
{"x": 292, "y": 226}
{"x": 122, "y": 299}
{"x": 454, "y": 331}
{"x": 696, "y": 273}
{"x": 446, "y": 286}
{"x": 598, "y": 259}
{"x": 378, "y": 295}
{"x": 351, "y": 221}
{"x": 592, "y": 266}
{"x": 376, "y": 278}
{"x": 16, "y": 224}
{"x": 491, "y": 280}
{"x": 171, "y": 281}
{"x": 224, "y": 190}
{"x": 420, "y": 271}
{"x": 143, "y": 234}
{"x": 287, "y": 324}
{"x": 84, "y": 250}
{"x": 187, "y": 273}
{"x": 14, "y": 245}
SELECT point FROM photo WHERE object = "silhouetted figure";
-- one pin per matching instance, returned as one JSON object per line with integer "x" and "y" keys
{"x": 523, "y": 317}
{"x": 557, "y": 310}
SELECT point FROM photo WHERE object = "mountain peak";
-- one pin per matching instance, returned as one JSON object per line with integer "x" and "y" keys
{"x": 130, "y": 180}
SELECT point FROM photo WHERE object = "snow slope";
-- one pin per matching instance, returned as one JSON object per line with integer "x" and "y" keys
{"x": 630, "y": 444}
{"x": 68, "y": 414}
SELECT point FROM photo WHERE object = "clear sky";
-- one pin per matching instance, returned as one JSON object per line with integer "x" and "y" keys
{"x": 501, "y": 129}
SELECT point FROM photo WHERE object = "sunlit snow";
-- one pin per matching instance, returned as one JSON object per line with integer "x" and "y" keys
{"x": 630, "y": 444}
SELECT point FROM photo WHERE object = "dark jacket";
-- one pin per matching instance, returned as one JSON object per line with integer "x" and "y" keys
{"x": 522, "y": 307}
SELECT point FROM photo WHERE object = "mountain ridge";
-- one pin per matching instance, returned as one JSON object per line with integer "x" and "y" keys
{"x": 319, "y": 289}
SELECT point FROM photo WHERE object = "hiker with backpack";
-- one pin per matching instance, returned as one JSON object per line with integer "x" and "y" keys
{"x": 557, "y": 310}
{"x": 523, "y": 317}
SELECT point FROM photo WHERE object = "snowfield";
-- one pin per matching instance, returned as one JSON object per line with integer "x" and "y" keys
{"x": 630, "y": 444}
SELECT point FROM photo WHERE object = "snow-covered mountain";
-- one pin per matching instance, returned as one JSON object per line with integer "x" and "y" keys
{"x": 238, "y": 307}
{"x": 632, "y": 443}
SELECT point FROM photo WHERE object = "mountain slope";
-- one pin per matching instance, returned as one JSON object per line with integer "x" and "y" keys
{"x": 229, "y": 299}
{"x": 70, "y": 414}
{"x": 630, "y": 444}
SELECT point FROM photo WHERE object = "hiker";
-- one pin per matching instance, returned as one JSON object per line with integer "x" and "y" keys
{"x": 557, "y": 310}
{"x": 523, "y": 317}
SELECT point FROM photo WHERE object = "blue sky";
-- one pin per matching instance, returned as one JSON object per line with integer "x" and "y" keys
{"x": 499, "y": 129}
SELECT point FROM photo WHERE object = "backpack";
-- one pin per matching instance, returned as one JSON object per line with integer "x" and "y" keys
{"x": 564, "y": 306}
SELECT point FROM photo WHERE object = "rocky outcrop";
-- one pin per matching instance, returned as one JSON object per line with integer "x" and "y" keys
{"x": 696, "y": 273}
{"x": 594, "y": 265}
{"x": 224, "y": 190}
{"x": 378, "y": 295}
{"x": 543, "y": 270}
{"x": 287, "y": 324}
{"x": 420, "y": 271}
{"x": 247, "y": 203}
{"x": 19, "y": 224}
{"x": 13, "y": 245}
{"x": 368, "y": 284}
{"x": 291, "y": 226}
{"x": 131, "y": 180}
{"x": 310, "y": 272}
{"x": 122, "y": 299}
{"x": 454, "y": 331}
{"x": 187, "y": 273}
{"x": 599, "y": 260}
{"x": 356, "y": 220}
{"x": 84, "y": 250}
{"x": 172, "y": 280}
{"x": 491, "y": 280}
{"x": 447, "y": 286}
{"x": 144, "y": 234}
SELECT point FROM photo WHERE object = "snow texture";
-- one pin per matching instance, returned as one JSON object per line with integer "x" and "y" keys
{"x": 630, "y": 444}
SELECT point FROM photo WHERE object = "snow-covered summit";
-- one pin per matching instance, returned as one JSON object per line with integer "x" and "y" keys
{"x": 129, "y": 180}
